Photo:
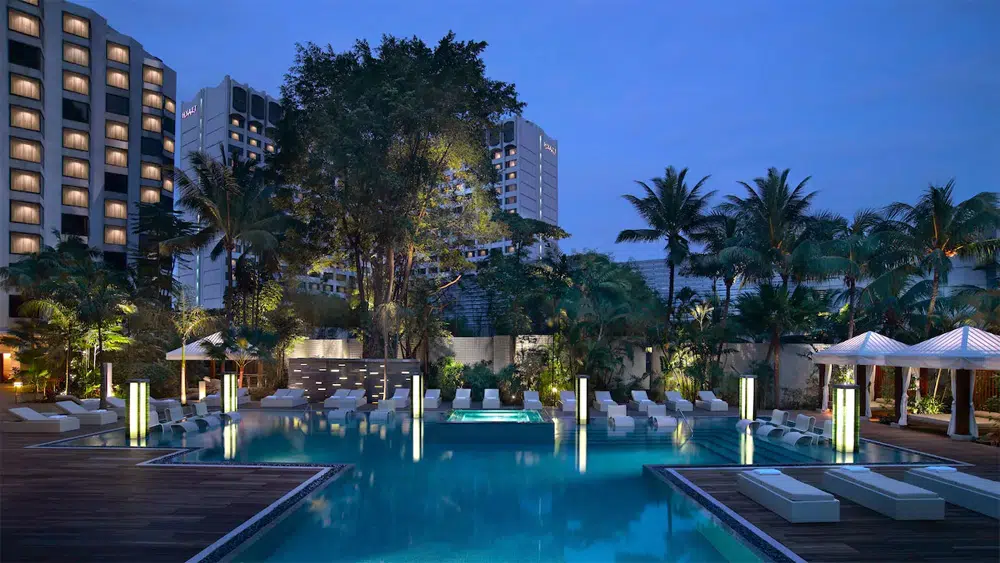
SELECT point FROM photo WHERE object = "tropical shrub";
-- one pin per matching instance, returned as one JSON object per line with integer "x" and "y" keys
{"x": 992, "y": 404}
{"x": 511, "y": 383}
{"x": 446, "y": 375}
{"x": 479, "y": 377}
{"x": 928, "y": 404}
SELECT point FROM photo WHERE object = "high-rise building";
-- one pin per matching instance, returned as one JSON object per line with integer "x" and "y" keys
{"x": 90, "y": 124}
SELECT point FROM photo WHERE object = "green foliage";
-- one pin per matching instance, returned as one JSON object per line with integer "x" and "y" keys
{"x": 992, "y": 404}
{"x": 479, "y": 377}
{"x": 929, "y": 404}
{"x": 447, "y": 374}
{"x": 511, "y": 384}
{"x": 162, "y": 376}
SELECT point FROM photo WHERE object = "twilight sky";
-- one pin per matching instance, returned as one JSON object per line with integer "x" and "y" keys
{"x": 874, "y": 100}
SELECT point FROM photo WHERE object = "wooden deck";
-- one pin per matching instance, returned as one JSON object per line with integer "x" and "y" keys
{"x": 97, "y": 505}
{"x": 865, "y": 535}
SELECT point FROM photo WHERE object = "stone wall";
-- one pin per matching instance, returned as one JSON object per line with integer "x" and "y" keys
{"x": 322, "y": 377}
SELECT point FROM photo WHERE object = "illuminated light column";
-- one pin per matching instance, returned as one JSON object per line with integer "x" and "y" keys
{"x": 581, "y": 447}
{"x": 846, "y": 414}
{"x": 581, "y": 399}
{"x": 418, "y": 439}
{"x": 417, "y": 401}
{"x": 202, "y": 390}
{"x": 107, "y": 379}
{"x": 748, "y": 401}
{"x": 229, "y": 400}
{"x": 138, "y": 409}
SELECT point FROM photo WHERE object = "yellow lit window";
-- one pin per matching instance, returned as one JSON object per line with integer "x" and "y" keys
{"x": 76, "y": 139}
{"x": 269, "y": 148}
{"x": 168, "y": 105}
{"x": 25, "y": 181}
{"x": 114, "y": 235}
{"x": 25, "y": 118}
{"x": 152, "y": 123}
{"x": 149, "y": 195}
{"x": 152, "y": 99}
{"x": 116, "y": 130}
{"x": 117, "y": 53}
{"x": 117, "y": 78}
{"x": 254, "y": 143}
{"x": 23, "y": 243}
{"x": 24, "y": 212}
{"x": 168, "y": 184}
{"x": 235, "y": 122}
{"x": 152, "y": 75}
{"x": 76, "y": 168}
{"x": 168, "y": 145}
{"x": 115, "y": 209}
{"x": 252, "y": 155}
{"x": 116, "y": 157}
{"x": 234, "y": 136}
{"x": 76, "y": 82}
{"x": 253, "y": 129}
{"x": 151, "y": 171}
{"x": 76, "y": 54}
{"x": 75, "y": 25}
{"x": 23, "y": 23}
{"x": 75, "y": 197}
{"x": 23, "y": 149}
{"x": 25, "y": 87}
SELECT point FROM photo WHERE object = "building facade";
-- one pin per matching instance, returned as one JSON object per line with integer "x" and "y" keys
{"x": 88, "y": 133}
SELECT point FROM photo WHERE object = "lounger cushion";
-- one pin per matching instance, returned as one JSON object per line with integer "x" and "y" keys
{"x": 882, "y": 484}
{"x": 964, "y": 480}
{"x": 786, "y": 486}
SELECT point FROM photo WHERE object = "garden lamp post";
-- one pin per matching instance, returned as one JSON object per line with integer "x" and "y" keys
{"x": 581, "y": 399}
{"x": 17, "y": 391}
{"x": 138, "y": 409}
{"x": 846, "y": 414}
{"x": 417, "y": 400}
{"x": 748, "y": 401}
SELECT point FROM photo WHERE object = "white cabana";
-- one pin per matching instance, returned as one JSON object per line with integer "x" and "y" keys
{"x": 962, "y": 350}
{"x": 866, "y": 349}
{"x": 194, "y": 350}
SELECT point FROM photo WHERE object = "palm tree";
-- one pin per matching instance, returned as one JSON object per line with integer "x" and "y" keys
{"x": 59, "y": 318}
{"x": 773, "y": 216}
{"x": 937, "y": 229}
{"x": 235, "y": 208}
{"x": 721, "y": 231}
{"x": 674, "y": 213}
{"x": 188, "y": 319}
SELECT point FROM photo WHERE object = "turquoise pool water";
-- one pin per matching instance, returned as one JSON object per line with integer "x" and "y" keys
{"x": 432, "y": 491}
{"x": 495, "y": 416}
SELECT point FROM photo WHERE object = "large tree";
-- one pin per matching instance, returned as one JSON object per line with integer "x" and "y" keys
{"x": 386, "y": 148}
{"x": 674, "y": 213}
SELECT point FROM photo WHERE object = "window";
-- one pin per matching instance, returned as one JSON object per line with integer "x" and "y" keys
{"x": 510, "y": 188}
{"x": 76, "y": 197}
{"x": 169, "y": 124}
{"x": 151, "y": 147}
{"x": 511, "y": 175}
{"x": 512, "y": 211}
{"x": 239, "y": 99}
{"x": 497, "y": 153}
{"x": 117, "y": 53}
{"x": 152, "y": 75}
{"x": 257, "y": 106}
{"x": 76, "y": 111}
{"x": 254, "y": 128}
{"x": 76, "y": 54}
{"x": 470, "y": 254}
{"x": 497, "y": 166}
{"x": 168, "y": 105}
{"x": 24, "y": 23}
{"x": 483, "y": 252}
{"x": 116, "y": 130}
{"x": 117, "y": 78}
{"x": 510, "y": 249}
{"x": 151, "y": 171}
{"x": 508, "y": 132}
{"x": 76, "y": 139}
{"x": 24, "y": 118}
{"x": 76, "y": 225}
{"x": 75, "y": 25}
{"x": 273, "y": 112}
{"x": 114, "y": 235}
{"x": 236, "y": 121}
{"x": 235, "y": 136}
{"x": 254, "y": 143}
{"x": 76, "y": 168}
{"x": 23, "y": 243}
{"x": 24, "y": 212}
{"x": 32, "y": 2}
{"x": 23, "y": 149}
{"x": 149, "y": 195}
{"x": 76, "y": 83}
{"x": 116, "y": 104}
{"x": 115, "y": 209}
{"x": 168, "y": 145}
{"x": 25, "y": 87}
{"x": 168, "y": 184}
{"x": 25, "y": 181}
{"x": 511, "y": 199}
{"x": 511, "y": 163}
{"x": 235, "y": 151}
{"x": 116, "y": 157}
{"x": 152, "y": 99}
{"x": 269, "y": 148}
{"x": 117, "y": 183}
{"x": 511, "y": 150}
{"x": 152, "y": 123}
{"x": 251, "y": 155}
{"x": 23, "y": 54}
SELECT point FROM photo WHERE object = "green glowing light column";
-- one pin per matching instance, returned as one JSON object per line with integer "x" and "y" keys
{"x": 846, "y": 418}
{"x": 581, "y": 399}
{"x": 748, "y": 401}
{"x": 138, "y": 409}
{"x": 230, "y": 401}
{"x": 417, "y": 399}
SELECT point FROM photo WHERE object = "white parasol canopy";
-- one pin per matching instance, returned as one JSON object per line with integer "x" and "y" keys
{"x": 963, "y": 348}
{"x": 194, "y": 350}
{"x": 866, "y": 349}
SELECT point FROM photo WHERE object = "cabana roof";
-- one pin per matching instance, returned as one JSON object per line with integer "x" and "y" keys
{"x": 963, "y": 348}
{"x": 867, "y": 349}
{"x": 194, "y": 350}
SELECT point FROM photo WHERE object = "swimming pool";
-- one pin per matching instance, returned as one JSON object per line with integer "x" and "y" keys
{"x": 430, "y": 491}
{"x": 520, "y": 416}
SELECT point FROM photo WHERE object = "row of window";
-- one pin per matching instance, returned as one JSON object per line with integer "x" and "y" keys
{"x": 251, "y": 141}
{"x": 325, "y": 287}
{"x": 30, "y": 213}
{"x": 31, "y": 151}
{"x": 31, "y": 120}
{"x": 508, "y": 164}
{"x": 257, "y": 105}
{"x": 30, "y": 181}
{"x": 30, "y": 25}
{"x": 499, "y": 153}
{"x": 27, "y": 243}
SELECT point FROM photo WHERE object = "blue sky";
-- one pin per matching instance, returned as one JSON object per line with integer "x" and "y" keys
{"x": 874, "y": 100}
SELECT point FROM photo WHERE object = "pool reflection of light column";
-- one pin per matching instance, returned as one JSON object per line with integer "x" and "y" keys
{"x": 138, "y": 411}
{"x": 846, "y": 412}
{"x": 746, "y": 449}
{"x": 202, "y": 390}
{"x": 418, "y": 439}
{"x": 581, "y": 448}
{"x": 581, "y": 399}
{"x": 229, "y": 434}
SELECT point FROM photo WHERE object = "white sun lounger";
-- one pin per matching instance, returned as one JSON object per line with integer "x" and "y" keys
{"x": 463, "y": 399}
{"x": 333, "y": 401}
{"x": 531, "y": 401}
{"x": 163, "y": 404}
{"x": 658, "y": 418}
{"x": 33, "y": 421}
{"x": 340, "y": 415}
{"x": 88, "y": 418}
{"x": 432, "y": 399}
{"x": 355, "y": 399}
{"x": 961, "y": 489}
{"x": 787, "y": 497}
{"x": 676, "y": 402}
{"x": 567, "y": 401}
{"x": 603, "y": 400}
{"x": 895, "y": 499}
{"x": 802, "y": 424}
{"x": 203, "y": 419}
{"x": 115, "y": 405}
{"x": 812, "y": 437}
{"x": 618, "y": 417}
{"x": 386, "y": 410}
{"x": 401, "y": 396}
{"x": 175, "y": 421}
{"x": 284, "y": 399}
{"x": 640, "y": 401}
{"x": 491, "y": 399}
{"x": 778, "y": 418}
{"x": 709, "y": 402}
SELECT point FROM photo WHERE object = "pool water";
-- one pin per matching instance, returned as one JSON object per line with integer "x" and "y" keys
{"x": 432, "y": 491}
{"x": 495, "y": 416}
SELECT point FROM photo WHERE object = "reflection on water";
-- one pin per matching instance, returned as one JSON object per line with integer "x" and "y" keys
{"x": 229, "y": 436}
{"x": 746, "y": 449}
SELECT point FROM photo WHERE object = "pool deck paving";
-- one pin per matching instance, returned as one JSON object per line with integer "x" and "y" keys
{"x": 100, "y": 505}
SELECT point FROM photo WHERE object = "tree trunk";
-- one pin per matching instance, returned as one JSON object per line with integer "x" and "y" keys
{"x": 935, "y": 282}
{"x": 100, "y": 364}
{"x": 725, "y": 317}
{"x": 850, "y": 308}
{"x": 241, "y": 367}
{"x": 670, "y": 291}
{"x": 184, "y": 394}
{"x": 777, "y": 371}
{"x": 229, "y": 286}
{"x": 936, "y": 382}
{"x": 69, "y": 341}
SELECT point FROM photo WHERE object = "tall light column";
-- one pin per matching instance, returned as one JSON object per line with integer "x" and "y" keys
{"x": 581, "y": 399}
{"x": 846, "y": 414}
{"x": 138, "y": 409}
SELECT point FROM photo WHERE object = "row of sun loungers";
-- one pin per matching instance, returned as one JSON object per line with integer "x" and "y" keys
{"x": 675, "y": 402}
{"x": 920, "y": 496}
